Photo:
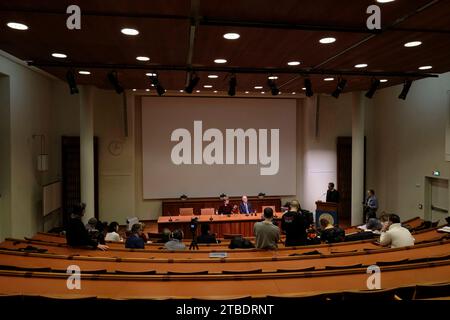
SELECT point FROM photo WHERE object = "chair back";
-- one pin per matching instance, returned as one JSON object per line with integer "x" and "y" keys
{"x": 186, "y": 211}
{"x": 207, "y": 211}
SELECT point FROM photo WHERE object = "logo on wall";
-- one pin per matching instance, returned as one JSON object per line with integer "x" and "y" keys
{"x": 227, "y": 148}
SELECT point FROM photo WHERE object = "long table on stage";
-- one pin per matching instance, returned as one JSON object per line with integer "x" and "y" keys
{"x": 220, "y": 224}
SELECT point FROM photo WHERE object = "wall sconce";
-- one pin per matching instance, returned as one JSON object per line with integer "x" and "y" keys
{"x": 183, "y": 197}
{"x": 261, "y": 195}
{"x": 42, "y": 158}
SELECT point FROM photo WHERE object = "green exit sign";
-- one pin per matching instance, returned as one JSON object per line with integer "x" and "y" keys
{"x": 436, "y": 173}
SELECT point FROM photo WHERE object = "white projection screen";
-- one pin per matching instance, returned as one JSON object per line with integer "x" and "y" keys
{"x": 203, "y": 147}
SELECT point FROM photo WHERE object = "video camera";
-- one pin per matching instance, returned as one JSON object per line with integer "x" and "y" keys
{"x": 193, "y": 225}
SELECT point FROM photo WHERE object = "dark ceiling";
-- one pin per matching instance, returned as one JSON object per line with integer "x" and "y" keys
{"x": 271, "y": 34}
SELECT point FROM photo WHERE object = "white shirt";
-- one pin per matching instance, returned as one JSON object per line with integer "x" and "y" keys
{"x": 112, "y": 236}
{"x": 397, "y": 236}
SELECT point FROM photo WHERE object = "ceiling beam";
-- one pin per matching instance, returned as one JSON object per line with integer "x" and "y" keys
{"x": 188, "y": 68}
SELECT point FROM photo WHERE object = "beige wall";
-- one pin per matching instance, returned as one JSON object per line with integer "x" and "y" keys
{"x": 406, "y": 143}
{"x": 5, "y": 156}
{"x": 29, "y": 114}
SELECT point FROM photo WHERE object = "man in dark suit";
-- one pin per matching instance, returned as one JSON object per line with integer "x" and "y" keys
{"x": 332, "y": 193}
{"x": 245, "y": 206}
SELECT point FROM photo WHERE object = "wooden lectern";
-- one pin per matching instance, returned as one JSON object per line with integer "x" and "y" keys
{"x": 327, "y": 210}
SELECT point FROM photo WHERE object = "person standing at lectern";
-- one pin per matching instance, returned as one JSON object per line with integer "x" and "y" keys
{"x": 332, "y": 193}
{"x": 245, "y": 206}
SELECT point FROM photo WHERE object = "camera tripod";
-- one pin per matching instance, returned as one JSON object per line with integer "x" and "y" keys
{"x": 193, "y": 245}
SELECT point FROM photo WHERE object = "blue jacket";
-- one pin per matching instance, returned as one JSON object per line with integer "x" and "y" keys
{"x": 242, "y": 208}
{"x": 135, "y": 242}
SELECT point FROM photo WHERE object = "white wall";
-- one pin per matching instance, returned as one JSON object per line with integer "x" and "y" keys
{"x": 407, "y": 142}
{"x": 29, "y": 110}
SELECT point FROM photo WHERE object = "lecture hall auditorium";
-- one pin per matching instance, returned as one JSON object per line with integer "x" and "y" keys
{"x": 157, "y": 113}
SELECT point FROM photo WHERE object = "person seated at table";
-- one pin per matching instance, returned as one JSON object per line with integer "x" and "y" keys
{"x": 206, "y": 236}
{"x": 330, "y": 233}
{"x": 294, "y": 225}
{"x": 226, "y": 208}
{"x": 245, "y": 206}
{"x": 393, "y": 234}
{"x": 76, "y": 233}
{"x": 176, "y": 241}
{"x": 135, "y": 241}
{"x": 267, "y": 234}
{"x": 113, "y": 232}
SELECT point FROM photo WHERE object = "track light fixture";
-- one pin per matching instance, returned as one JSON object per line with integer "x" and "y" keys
{"x": 340, "y": 87}
{"x": 193, "y": 81}
{"x": 232, "y": 85}
{"x": 273, "y": 87}
{"x": 308, "y": 88}
{"x": 70, "y": 76}
{"x": 159, "y": 88}
{"x": 405, "y": 90}
{"x": 114, "y": 80}
{"x": 373, "y": 88}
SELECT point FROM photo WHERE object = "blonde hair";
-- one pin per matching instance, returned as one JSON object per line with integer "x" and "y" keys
{"x": 294, "y": 204}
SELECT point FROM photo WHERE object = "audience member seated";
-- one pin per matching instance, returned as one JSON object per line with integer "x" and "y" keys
{"x": 206, "y": 236}
{"x": 330, "y": 233}
{"x": 176, "y": 241}
{"x": 76, "y": 233}
{"x": 135, "y": 241}
{"x": 142, "y": 234}
{"x": 91, "y": 226}
{"x": 374, "y": 225}
{"x": 267, "y": 234}
{"x": 165, "y": 236}
{"x": 113, "y": 234}
{"x": 393, "y": 234}
{"x": 294, "y": 225}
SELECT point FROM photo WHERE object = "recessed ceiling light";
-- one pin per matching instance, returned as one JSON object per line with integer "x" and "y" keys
{"x": 220, "y": 61}
{"x": 59, "y": 55}
{"x": 425, "y": 68}
{"x": 384, "y": 80}
{"x": 181, "y": 90}
{"x": 147, "y": 90}
{"x": 207, "y": 86}
{"x": 361, "y": 65}
{"x": 413, "y": 44}
{"x": 327, "y": 40}
{"x": 215, "y": 91}
{"x": 152, "y": 85}
{"x": 84, "y": 72}
{"x": 142, "y": 58}
{"x": 150, "y": 74}
{"x": 247, "y": 92}
{"x": 258, "y": 87}
{"x": 385, "y": 1}
{"x": 262, "y": 92}
{"x": 279, "y": 92}
{"x": 272, "y": 77}
{"x": 213, "y": 76}
{"x": 231, "y": 36}
{"x": 134, "y": 89}
{"x": 303, "y": 88}
{"x": 129, "y": 31}
{"x": 293, "y": 92}
{"x": 17, "y": 26}
{"x": 197, "y": 91}
{"x": 328, "y": 79}
{"x": 293, "y": 63}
